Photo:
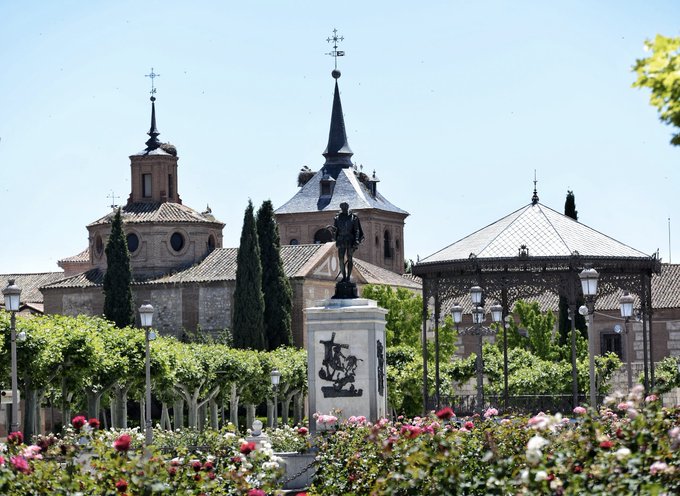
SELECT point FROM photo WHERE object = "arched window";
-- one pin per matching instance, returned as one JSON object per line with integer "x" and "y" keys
{"x": 387, "y": 247}
{"x": 211, "y": 243}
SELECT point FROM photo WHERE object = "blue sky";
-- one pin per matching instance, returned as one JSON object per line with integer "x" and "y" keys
{"x": 453, "y": 103}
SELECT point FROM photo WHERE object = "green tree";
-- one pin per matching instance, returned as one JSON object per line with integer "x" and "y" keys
{"x": 660, "y": 72}
{"x": 278, "y": 295}
{"x": 118, "y": 277}
{"x": 564, "y": 322}
{"x": 404, "y": 313}
{"x": 248, "y": 321}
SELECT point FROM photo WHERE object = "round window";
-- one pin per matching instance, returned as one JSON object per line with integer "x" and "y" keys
{"x": 132, "y": 242}
{"x": 177, "y": 241}
{"x": 98, "y": 245}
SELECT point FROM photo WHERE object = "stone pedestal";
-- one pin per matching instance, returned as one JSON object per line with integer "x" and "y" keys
{"x": 346, "y": 359}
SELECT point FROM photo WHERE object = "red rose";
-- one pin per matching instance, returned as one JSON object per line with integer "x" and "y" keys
{"x": 246, "y": 448}
{"x": 445, "y": 413}
{"x": 211, "y": 476}
{"x": 469, "y": 425}
{"x": 172, "y": 471}
{"x": 303, "y": 431}
{"x": 122, "y": 443}
{"x": 78, "y": 422}
{"x": 577, "y": 469}
{"x": 15, "y": 437}
{"x": 121, "y": 485}
{"x": 256, "y": 492}
{"x": 94, "y": 423}
{"x": 197, "y": 477}
{"x": 606, "y": 444}
{"x": 196, "y": 465}
{"x": 208, "y": 466}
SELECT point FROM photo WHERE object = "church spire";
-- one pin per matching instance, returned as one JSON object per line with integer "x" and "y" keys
{"x": 338, "y": 151}
{"x": 153, "y": 142}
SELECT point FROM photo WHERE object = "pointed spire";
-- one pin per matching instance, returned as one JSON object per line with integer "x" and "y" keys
{"x": 153, "y": 142}
{"x": 338, "y": 151}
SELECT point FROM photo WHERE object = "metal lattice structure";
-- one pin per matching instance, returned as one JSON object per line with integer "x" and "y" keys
{"x": 531, "y": 252}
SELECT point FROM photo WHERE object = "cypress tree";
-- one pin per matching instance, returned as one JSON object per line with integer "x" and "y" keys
{"x": 118, "y": 277}
{"x": 278, "y": 295}
{"x": 564, "y": 323}
{"x": 248, "y": 320}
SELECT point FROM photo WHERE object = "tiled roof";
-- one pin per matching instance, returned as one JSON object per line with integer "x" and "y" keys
{"x": 91, "y": 278}
{"x": 347, "y": 188}
{"x": 545, "y": 232}
{"x": 134, "y": 213}
{"x": 220, "y": 265}
{"x": 82, "y": 257}
{"x": 377, "y": 275}
{"x": 30, "y": 284}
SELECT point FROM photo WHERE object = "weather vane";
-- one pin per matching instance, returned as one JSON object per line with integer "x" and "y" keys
{"x": 335, "y": 53}
{"x": 534, "y": 198}
{"x": 113, "y": 200}
{"x": 153, "y": 75}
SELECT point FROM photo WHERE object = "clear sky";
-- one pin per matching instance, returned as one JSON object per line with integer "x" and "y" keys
{"x": 453, "y": 103}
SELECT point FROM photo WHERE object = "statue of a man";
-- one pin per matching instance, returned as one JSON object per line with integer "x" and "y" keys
{"x": 348, "y": 236}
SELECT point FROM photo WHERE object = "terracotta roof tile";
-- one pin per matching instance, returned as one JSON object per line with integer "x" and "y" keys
{"x": 30, "y": 284}
{"x": 158, "y": 212}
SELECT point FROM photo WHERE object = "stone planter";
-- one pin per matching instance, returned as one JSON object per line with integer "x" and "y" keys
{"x": 299, "y": 470}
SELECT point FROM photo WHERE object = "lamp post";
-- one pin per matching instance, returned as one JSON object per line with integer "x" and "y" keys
{"x": 146, "y": 318}
{"x": 589, "y": 279}
{"x": 626, "y": 303}
{"x": 12, "y": 294}
{"x": 478, "y": 329}
{"x": 275, "y": 377}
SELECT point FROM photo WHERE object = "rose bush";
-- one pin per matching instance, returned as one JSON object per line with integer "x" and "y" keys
{"x": 631, "y": 450}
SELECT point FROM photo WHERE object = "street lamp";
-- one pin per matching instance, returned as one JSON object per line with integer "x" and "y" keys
{"x": 478, "y": 329}
{"x": 626, "y": 303}
{"x": 12, "y": 294}
{"x": 146, "y": 318}
{"x": 589, "y": 279}
{"x": 275, "y": 377}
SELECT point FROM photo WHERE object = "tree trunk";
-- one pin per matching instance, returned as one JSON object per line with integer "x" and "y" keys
{"x": 250, "y": 415}
{"x": 93, "y": 402}
{"x": 119, "y": 399}
{"x": 285, "y": 405}
{"x": 30, "y": 407}
{"x": 298, "y": 408}
{"x": 233, "y": 406}
{"x": 214, "y": 415}
{"x": 165, "y": 417}
{"x": 66, "y": 397}
{"x": 178, "y": 413}
{"x": 270, "y": 412}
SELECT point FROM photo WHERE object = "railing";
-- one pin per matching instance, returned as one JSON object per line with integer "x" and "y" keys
{"x": 525, "y": 403}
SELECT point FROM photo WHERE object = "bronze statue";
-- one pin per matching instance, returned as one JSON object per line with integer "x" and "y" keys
{"x": 348, "y": 236}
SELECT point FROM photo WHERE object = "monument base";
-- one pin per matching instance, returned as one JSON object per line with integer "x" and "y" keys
{"x": 345, "y": 291}
{"x": 346, "y": 359}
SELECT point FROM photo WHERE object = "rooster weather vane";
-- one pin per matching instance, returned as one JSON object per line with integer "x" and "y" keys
{"x": 338, "y": 368}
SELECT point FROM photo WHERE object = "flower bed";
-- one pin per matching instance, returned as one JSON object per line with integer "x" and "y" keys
{"x": 630, "y": 447}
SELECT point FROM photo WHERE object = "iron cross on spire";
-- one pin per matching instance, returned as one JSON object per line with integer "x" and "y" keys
{"x": 335, "y": 53}
{"x": 153, "y": 75}
{"x": 113, "y": 200}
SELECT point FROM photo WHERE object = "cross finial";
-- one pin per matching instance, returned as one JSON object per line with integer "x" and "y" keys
{"x": 153, "y": 76}
{"x": 113, "y": 200}
{"x": 534, "y": 198}
{"x": 335, "y": 53}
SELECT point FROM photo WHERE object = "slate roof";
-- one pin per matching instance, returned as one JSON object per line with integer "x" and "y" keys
{"x": 348, "y": 188}
{"x": 30, "y": 284}
{"x": 142, "y": 212}
{"x": 544, "y": 231}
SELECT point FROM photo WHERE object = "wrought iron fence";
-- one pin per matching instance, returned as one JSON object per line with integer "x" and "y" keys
{"x": 525, "y": 403}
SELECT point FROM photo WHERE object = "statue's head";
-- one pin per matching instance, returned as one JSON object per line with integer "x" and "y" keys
{"x": 344, "y": 206}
